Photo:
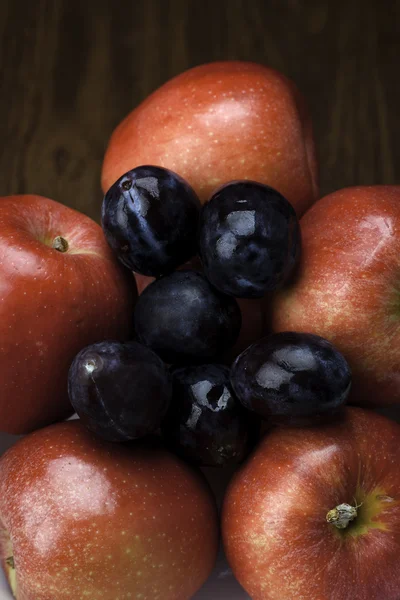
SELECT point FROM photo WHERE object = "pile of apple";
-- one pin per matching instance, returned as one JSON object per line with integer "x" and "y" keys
{"x": 314, "y": 511}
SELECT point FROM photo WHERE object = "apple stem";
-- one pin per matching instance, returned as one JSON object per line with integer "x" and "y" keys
{"x": 60, "y": 244}
{"x": 342, "y": 515}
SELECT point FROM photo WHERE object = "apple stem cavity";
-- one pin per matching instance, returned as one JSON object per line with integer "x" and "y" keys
{"x": 11, "y": 575}
{"x": 342, "y": 515}
{"x": 60, "y": 244}
{"x": 9, "y": 562}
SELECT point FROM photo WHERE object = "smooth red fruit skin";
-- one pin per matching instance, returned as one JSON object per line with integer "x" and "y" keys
{"x": 219, "y": 122}
{"x": 348, "y": 286}
{"x": 216, "y": 123}
{"x": 275, "y": 533}
{"x": 52, "y": 304}
{"x": 91, "y": 519}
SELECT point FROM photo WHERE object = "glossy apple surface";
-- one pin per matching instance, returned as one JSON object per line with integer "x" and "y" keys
{"x": 216, "y": 123}
{"x": 219, "y": 122}
{"x": 348, "y": 286}
{"x": 278, "y": 540}
{"x": 53, "y": 302}
{"x": 84, "y": 518}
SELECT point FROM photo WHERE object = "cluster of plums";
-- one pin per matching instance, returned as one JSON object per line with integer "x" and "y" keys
{"x": 173, "y": 376}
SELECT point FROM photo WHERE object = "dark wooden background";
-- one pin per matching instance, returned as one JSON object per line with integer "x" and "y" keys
{"x": 71, "y": 69}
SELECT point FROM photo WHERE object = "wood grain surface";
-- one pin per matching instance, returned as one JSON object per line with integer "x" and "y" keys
{"x": 72, "y": 69}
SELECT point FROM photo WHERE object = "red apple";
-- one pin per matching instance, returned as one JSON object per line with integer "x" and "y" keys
{"x": 219, "y": 122}
{"x": 60, "y": 290}
{"x": 215, "y": 123}
{"x": 83, "y": 518}
{"x": 348, "y": 287}
{"x": 286, "y": 535}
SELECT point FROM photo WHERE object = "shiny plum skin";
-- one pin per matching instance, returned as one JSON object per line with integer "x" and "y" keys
{"x": 206, "y": 424}
{"x": 150, "y": 217}
{"x": 249, "y": 239}
{"x": 292, "y": 378}
{"x": 120, "y": 391}
{"x": 183, "y": 318}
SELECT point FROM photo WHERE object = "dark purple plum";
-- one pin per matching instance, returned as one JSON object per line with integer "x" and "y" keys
{"x": 150, "y": 217}
{"x": 292, "y": 378}
{"x": 206, "y": 424}
{"x": 120, "y": 391}
{"x": 184, "y": 318}
{"x": 249, "y": 239}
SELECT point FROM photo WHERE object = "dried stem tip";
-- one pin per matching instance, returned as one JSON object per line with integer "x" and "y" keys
{"x": 60, "y": 244}
{"x": 342, "y": 515}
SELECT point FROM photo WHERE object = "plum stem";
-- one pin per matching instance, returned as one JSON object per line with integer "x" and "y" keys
{"x": 60, "y": 244}
{"x": 342, "y": 515}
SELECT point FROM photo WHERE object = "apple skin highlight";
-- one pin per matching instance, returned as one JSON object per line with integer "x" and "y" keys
{"x": 348, "y": 287}
{"x": 275, "y": 530}
{"x": 220, "y": 122}
{"x": 89, "y": 519}
{"x": 61, "y": 289}
{"x": 216, "y": 123}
